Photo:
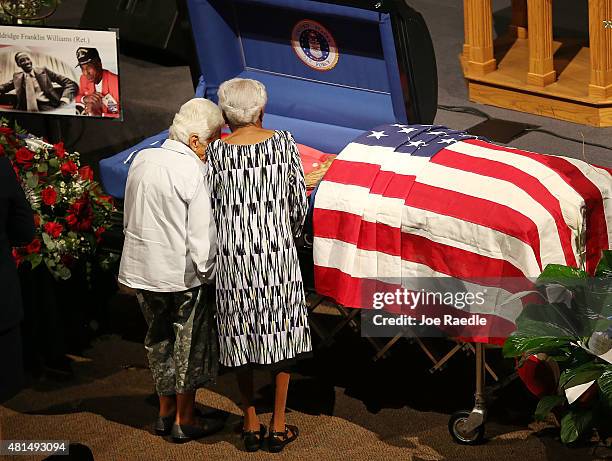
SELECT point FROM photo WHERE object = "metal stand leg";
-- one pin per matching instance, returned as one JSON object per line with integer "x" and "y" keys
{"x": 468, "y": 427}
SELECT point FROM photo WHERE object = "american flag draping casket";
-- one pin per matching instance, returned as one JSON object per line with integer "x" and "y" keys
{"x": 403, "y": 202}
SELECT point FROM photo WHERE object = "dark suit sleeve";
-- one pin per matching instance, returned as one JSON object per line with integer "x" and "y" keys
{"x": 69, "y": 87}
{"x": 6, "y": 87}
{"x": 20, "y": 223}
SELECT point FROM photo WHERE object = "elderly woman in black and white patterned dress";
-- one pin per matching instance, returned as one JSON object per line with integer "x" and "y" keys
{"x": 259, "y": 204}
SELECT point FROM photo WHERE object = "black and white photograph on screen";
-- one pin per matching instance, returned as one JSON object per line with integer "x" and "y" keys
{"x": 59, "y": 72}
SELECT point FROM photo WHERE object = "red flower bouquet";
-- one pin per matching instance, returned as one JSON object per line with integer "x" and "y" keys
{"x": 71, "y": 212}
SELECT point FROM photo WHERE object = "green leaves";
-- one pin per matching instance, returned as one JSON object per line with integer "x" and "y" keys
{"x": 548, "y": 320}
{"x": 605, "y": 387}
{"x": 574, "y": 424}
{"x": 34, "y": 259}
{"x": 546, "y": 405}
{"x": 31, "y": 180}
{"x": 604, "y": 268}
{"x": 48, "y": 241}
{"x": 62, "y": 272}
{"x": 582, "y": 374}
{"x": 517, "y": 345}
{"x": 562, "y": 275}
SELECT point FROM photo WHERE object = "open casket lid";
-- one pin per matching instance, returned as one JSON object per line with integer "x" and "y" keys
{"x": 332, "y": 69}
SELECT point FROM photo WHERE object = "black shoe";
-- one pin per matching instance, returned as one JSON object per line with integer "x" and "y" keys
{"x": 185, "y": 432}
{"x": 163, "y": 425}
{"x": 253, "y": 440}
{"x": 278, "y": 440}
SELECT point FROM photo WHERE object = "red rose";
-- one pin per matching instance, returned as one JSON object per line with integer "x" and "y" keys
{"x": 24, "y": 156}
{"x": 36, "y": 219}
{"x": 80, "y": 215}
{"x": 17, "y": 257}
{"x": 106, "y": 198}
{"x": 49, "y": 196}
{"x": 53, "y": 229}
{"x": 99, "y": 231}
{"x": 86, "y": 173}
{"x": 16, "y": 170}
{"x": 67, "y": 260}
{"x": 5, "y": 130}
{"x": 71, "y": 220}
{"x": 1, "y": 150}
{"x": 69, "y": 168}
{"x": 33, "y": 247}
{"x": 59, "y": 150}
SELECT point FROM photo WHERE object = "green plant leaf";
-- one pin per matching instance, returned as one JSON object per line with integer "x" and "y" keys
{"x": 589, "y": 371}
{"x": 604, "y": 268}
{"x": 49, "y": 243}
{"x": 605, "y": 387}
{"x": 32, "y": 181}
{"x": 546, "y": 404}
{"x": 54, "y": 163}
{"x": 548, "y": 320}
{"x": 63, "y": 272}
{"x": 517, "y": 345}
{"x": 563, "y": 275}
{"x": 43, "y": 167}
{"x": 35, "y": 260}
{"x": 574, "y": 424}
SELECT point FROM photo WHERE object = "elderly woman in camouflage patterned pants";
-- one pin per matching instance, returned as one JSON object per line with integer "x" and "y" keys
{"x": 168, "y": 257}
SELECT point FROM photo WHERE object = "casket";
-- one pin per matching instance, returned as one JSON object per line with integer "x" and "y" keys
{"x": 333, "y": 69}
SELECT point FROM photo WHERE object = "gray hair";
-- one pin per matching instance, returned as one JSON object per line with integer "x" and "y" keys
{"x": 242, "y": 100}
{"x": 197, "y": 116}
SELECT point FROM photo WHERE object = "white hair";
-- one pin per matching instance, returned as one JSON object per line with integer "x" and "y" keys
{"x": 197, "y": 116}
{"x": 242, "y": 100}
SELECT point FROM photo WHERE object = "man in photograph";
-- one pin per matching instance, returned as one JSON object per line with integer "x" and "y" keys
{"x": 34, "y": 87}
{"x": 98, "y": 88}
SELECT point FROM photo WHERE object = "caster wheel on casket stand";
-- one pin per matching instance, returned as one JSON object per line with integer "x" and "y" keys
{"x": 463, "y": 435}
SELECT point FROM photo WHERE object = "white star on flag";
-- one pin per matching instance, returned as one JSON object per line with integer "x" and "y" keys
{"x": 417, "y": 143}
{"x": 399, "y": 126}
{"x": 447, "y": 141}
{"x": 377, "y": 134}
{"x": 407, "y": 130}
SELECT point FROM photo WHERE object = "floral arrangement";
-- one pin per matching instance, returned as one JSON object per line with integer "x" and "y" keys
{"x": 28, "y": 11}
{"x": 70, "y": 212}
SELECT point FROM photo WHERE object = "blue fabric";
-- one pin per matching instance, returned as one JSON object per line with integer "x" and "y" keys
{"x": 367, "y": 58}
{"x": 200, "y": 91}
{"x": 314, "y": 7}
{"x": 395, "y": 85}
{"x": 217, "y": 44}
{"x": 325, "y": 110}
{"x": 114, "y": 170}
{"x": 269, "y": 48}
{"x": 327, "y": 138}
{"x": 330, "y": 139}
{"x": 304, "y": 100}
{"x": 417, "y": 140}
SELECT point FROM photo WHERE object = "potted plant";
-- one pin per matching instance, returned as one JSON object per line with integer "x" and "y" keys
{"x": 573, "y": 327}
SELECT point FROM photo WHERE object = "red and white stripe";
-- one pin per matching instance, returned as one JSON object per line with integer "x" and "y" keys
{"x": 472, "y": 210}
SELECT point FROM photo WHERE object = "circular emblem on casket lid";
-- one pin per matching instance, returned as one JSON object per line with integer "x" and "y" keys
{"x": 314, "y": 45}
